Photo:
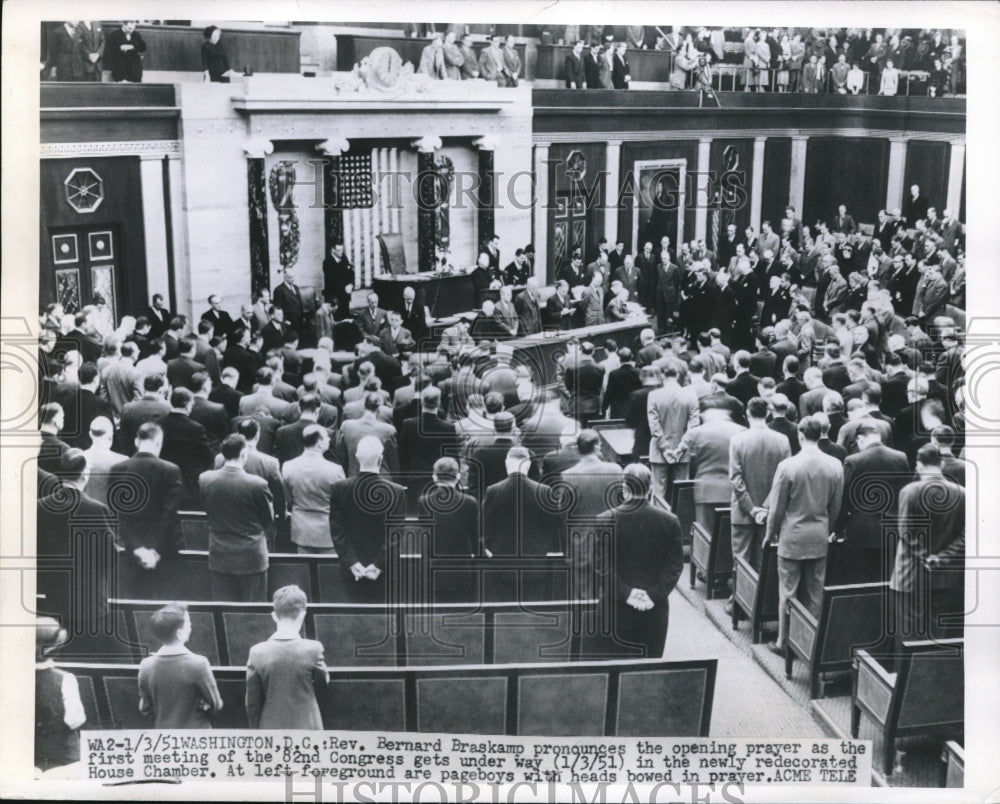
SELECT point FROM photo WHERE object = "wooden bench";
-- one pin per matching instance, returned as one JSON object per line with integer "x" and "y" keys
{"x": 712, "y": 553}
{"x": 638, "y": 698}
{"x": 756, "y": 593}
{"x": 375, "y": 635}
{"x": 682, "y": 504}
{"x": 852, "y": 617}
{"x": 953, "y": 765}
{"x": 925, "y": 694}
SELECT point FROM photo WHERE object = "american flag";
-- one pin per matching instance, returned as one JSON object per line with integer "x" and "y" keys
{"x": 363, "y": 195}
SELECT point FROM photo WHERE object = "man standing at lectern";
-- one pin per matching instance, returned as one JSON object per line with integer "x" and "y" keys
{"x": 338, "y": 279}
{"x": 288, "y": 297}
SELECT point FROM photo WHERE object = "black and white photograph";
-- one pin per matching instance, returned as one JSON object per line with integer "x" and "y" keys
{"x": 509, "y": 406}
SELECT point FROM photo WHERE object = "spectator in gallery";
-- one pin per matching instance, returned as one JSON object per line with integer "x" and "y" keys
{"x": 89, "y": 50}
{"x": 63, "y": 42}
{"x": 284, "y": 673}
{"x": 176, "y": 686}
{"x": 432, "y": 59}
{"x": 811, "y": 76}
{"x": 576, "y": 77}
{"x": 123, "y": 51}
{"x": 214, "y": 60}
{"x": 840, "y": 74}
{"x": 493, "y": 64}
{"x": 592, "y": 67}
{"x": 59, "y": 710}
{"x": 470, "y": 61}
{"x": 512, "y": 61}
{"x": 454, "y": 59}
{"x": 889, "y": 83}
{"x": 855, "y": 79}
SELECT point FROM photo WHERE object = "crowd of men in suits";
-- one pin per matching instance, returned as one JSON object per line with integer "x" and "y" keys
{"x": 282, "y": 450}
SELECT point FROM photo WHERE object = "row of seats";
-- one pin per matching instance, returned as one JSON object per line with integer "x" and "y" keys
{"x": 908, "y": 689}
{"x": 382, "y": 635}
{"x": 639, "y": 698}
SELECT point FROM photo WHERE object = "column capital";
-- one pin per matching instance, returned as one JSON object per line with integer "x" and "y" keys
{"x": 486, "y": 143}
{"x": 258, "y": 147}
{"x": 334, "y": 146}
{"x": 427, "y": 145}
{"x": 705, "y": 140}
{"x": 540, "y": 145}
{"x": 760, "y": 139}
{"x": 800, "y": 137}
{"x": 902, "y": 139}
{"x": 614, "y": 143}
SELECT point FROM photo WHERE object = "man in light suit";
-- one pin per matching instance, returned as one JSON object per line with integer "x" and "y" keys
{"x": 309, "y": 479}
{"x": 352, "y": 431}
{"x": 754, "y": 456}
{"x": 706, "y": 448}
{"x": 264, "y": 397}
{"x": 672, "y": 411}
{"x": 767, "y": 240}
{"x": 584, "y": 382}
{"x": 591, "y": 303}
{"x": 240, "y": 510}
{"x": 927, "y": 578}
{"x": 803, "y": 509}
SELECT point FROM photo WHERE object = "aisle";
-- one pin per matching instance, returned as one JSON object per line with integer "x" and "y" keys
{"x": 748, "y": 703}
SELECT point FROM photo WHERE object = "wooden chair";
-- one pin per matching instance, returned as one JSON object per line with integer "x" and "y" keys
{"x": 756, "y": 593}
{"x": 712, "y": 552}
{"x": 925, "y": 695}
{"x": 393, "y": 254}
{"x": 682, "y": 504}
{"x": 851, "y": 618}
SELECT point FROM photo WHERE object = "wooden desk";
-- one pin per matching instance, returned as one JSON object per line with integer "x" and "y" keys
{"x": 619, "y": 443}
{"x": 444, "y": 294}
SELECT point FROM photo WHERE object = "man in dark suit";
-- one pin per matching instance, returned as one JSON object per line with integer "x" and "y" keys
{"x": 240, "y": 510}
{"x": 204, "y": 352}
{"x": 82, "y": 406}
{"x": 584, "y": 382}
{"x": 645, "y": 559}
{"x": 927, "y": 578}
{"x": 372, "y": 318}
{"x": 272, "y": 334}
{"x": 181, "y": 369}
{"x": 361, "y": 510}
{"x": 455, "y": 515}
{"x": 222, "y": 322}
{"x": 844, "y": 223}
{"x": 395, "y": 338}
{"x": 915, "y": 206}
{"x": 622, "y": 381}
{"x": 873, "y": 478}
{"x": 592, "y": 67}
{"x": 75, "y": 561}
{"x": 51, "y": 418}
{"x": 338, "y": 279}
{"x": 83, "y": 339}
{"x": 803, "y": 509}
{"x": 668, "y": 292}
{"x": 744, "y": 385}
{"x": 225, "y": 392}
{"x": 424, "y": 439}
{"x": 520, "y": 516}
{"x": 288, "y": 439}
{"x": 151, "y": 406}
{"x": 185, "y": 443}
{"x": 159, "y": 317}
{"x": 288, "y": 297}
{"x": 576, "y": 77}
{"x": 558, "y": 311}
{"x": 566, "y": 455}
{"x": 243, "y": 359}
{"x": 210, "y": 415}
{"x": 528, "y": 306}
{"x": 62, "y": 44}
{"x": 148, "y": 526}
{"x": 415, "y": 315}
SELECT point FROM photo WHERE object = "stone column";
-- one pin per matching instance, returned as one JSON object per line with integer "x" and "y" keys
{"x": 956, "y": 170}
{"x": 426, "y": 193}
{"x": 540, "y": 211}
{"x": 702, "y": 190}
{"x": 177, "y": 232}
{"x": 797, "y": 177}
{"x": 757, "y": 182}
{"x": 260, "y": 260}
{"x": 897, "y": 168}
{"x": 612, "y": 160}
{"x": 154, "y": 214}
{"x": 333, "y": 213}
{"x": 486, "y": 220}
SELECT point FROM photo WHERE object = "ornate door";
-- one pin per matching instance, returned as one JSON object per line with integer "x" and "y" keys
{"x": 85, "y": 263}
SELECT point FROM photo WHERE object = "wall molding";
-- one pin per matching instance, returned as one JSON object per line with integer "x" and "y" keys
{"x": 551, "y": 137}
{"x": 147, "y": 148}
